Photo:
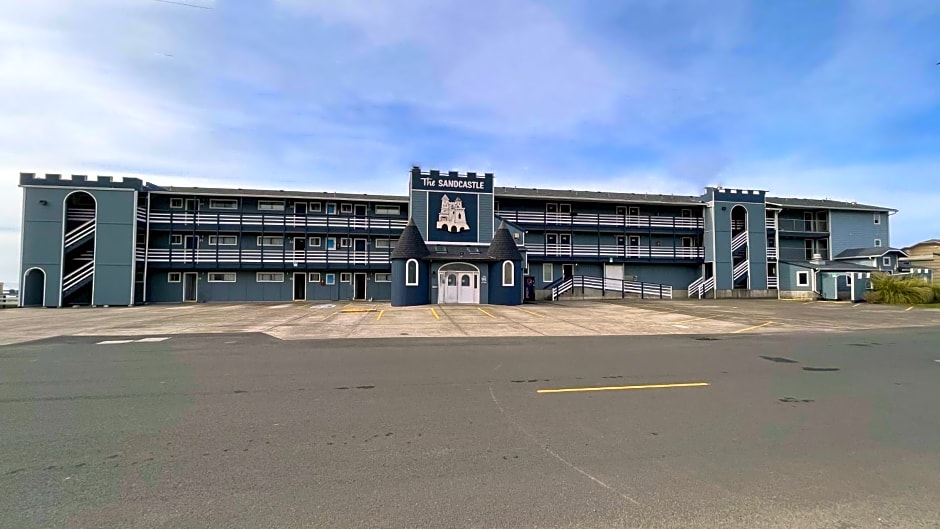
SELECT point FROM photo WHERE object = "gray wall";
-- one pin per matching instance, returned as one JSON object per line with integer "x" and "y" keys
{"x": 857, "y": 229}
{"x": 677, "y": 276}
{"x": 419, "y": 211}
{"x": 786, "y": 274}
{"x": 42, "y": 237}
{"x": 247, "y": 288}
{"x": 485, "y": 221}
{"x": 757, "y": 244}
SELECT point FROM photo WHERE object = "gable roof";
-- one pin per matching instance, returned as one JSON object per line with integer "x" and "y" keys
{"x": 862, "y": 253}
{"x": 832, "y": 266}
{"x": 503, "y": 247}
{"x": 816, "y": 203}
{"x": 410, "y": 244}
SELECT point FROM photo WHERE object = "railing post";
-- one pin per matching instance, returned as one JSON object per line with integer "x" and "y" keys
{"x": 660, "y": 291}
{"x": 642, "y": 290}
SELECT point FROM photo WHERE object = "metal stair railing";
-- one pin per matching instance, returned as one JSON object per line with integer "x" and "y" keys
{"x": 738, "y": 241}
{"x": 741, "y": 269}
{"x": 78, "y": 275}
{"x": 79, "y": 233}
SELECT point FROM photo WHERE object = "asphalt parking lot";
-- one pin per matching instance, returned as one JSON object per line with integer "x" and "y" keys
{"x": 242, "y": 430}
{"x": 377, "y": 320}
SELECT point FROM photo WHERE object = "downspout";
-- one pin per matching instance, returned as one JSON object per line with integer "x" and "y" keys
{"x": 147, "y": 247}
{"x": 777, "y": 246}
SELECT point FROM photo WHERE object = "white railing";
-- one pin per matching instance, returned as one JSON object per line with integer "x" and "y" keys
{"x": 78, "y": 275}
{"x": 771, "y": 253}
{"x": 741, "y": 269}
{"x": 296, "y": 221}
{"x": 701, "y": 286}
{"x": 695, "y": 285}
{"x": 738, "y": 241}
{"x": 772, "y": 282}
{"x": 80, "y": 232}
{"x": 163, "y": 255}
{"x": 770, "y": 223}
{"x": 812, "y": 226}
{"x": 600, "y": 219}
{"x": 81, "y": 214}
{"x": 615, "y": 250}
{"x": 141, "y": 214}
{"x": 644, "y": 290}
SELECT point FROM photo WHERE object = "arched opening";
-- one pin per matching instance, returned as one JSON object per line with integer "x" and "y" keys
{"x": 458, "y": 283}
{"x": 738, "y": 219}
{"x": 739, "y": 248}
{"x": 34, "y": 288}
{"x": 78, "y": 248}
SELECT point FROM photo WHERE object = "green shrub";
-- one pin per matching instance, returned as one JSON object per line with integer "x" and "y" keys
{"x": 936, "y": 293}
{"x": 872, "y": 296}
{"x": 902, "y": 290}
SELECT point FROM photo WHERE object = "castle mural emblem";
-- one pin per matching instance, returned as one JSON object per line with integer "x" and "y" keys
{"x": 453, "y": 216}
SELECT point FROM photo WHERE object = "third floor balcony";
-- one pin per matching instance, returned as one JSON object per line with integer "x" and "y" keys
{"x": 588, "y": 221}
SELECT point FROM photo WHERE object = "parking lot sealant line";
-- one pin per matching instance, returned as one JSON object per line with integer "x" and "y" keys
{"x": 752, "y": 328}
{"x": 622, "y": 388}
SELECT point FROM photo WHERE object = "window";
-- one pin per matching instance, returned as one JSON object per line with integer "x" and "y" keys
{"x": 385, "y": 243}
{"x": 473, "y": 250}
{"x": 269, "y": 277}
{"x": 331, "y": 279}
{"x": 633, "y": 211}
{"x": 345, "y": 277}
{"x": 316, "y": 207}
{"x": 547, "y": 273}
{"x": 411, "y": 273}
{"x": 877, "y": 243}
{"x": 383, "y": 277}
{"x": 440, "y": 248}
{"x": 176, "y": 239}
{"x": 176, "y": 203}
{"x": 314, "y": 277}
{"x": 221, "y": 277}
{"x": 223, "y": 204}
{"x": 174, "y": 277}
{"x": 802, "y": 279}
{"x": 509, "y": 274}
{"x": 886, "y": 260}
{"x": 877, "y": 218}
{"x": 551, "y": 208}
{"x": 344, "y": 242}
{"x": 270, "y": 205}
{"x": 621, "y": 210}
{"x": 223, "y": 240}
{"x": 564, "y": 208}
{"x": 264, "y": 240}
{"x": 331, "y": 243}
{"x": 345, "y": 208}
{"x": 387, "y": 210}
{"x": 621, "y": 240}
{"x": 331, "y": 208}
{"x": 315, "y": 242}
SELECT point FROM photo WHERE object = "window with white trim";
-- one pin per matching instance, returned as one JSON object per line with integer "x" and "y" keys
{"x": 269, "y": 277}
{"x": 265, "y": 240}
{"x": 176, "y": 240}
{"x": 548, "y": 274}
{"x": 174, "y": 277}
{"x": 344, "y": 242}
{"x": 802, "y": 279}
{"x": 223, "y": 240}
{"x": 331, "y": 208}
{"x": 315, "y": 242}
{"x": 331, "y": 243}
{"x": 382, "y": 209}
{"x": 877, "y": 243}
{"x": 270, "y": 205}
{"x": 221, "y": 277}
{"x": 345, "y": 208}
{"x": 314, "y": 277}
{"x": 877, "y": 218}
{"x": 176, "y": 203}
{"x": 564, "y": 208}
{"x": 383, "y": 277}
{"x": 217, "y": 203}
{"x": 383, "y": 243}
{"x": 411, "y": 273}
{"x": 509, "y": 274}
{"x": 316, "y": 207}
{"x": 345, "y": 277}
{"x": 331, "y": 279}
{"x": 886, "y": 260}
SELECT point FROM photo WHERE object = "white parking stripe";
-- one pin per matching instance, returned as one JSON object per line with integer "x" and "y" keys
{"x": 112, "y": 342}
{"x": 281, "y": 306}
{"x": 156, "y": 339}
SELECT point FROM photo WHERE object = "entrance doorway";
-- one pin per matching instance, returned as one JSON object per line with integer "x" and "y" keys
{"x": 300, "y": 286}
{"x": 567, "y": 271}
{"x": 300, "y": 208}
{"x": 458, "y": 283}
{"x": 613, "y": 271}
{"x": 192, "y": 204}
{"x": 300, "y": 244}
{"x": 190, "y": 286}
{"x": 359, "y": 286}
{"x": 34, "y": 288}
{"x": 359, "y": 210}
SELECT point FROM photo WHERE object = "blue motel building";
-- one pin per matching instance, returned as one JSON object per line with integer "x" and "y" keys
{"x": 453, "y": 238}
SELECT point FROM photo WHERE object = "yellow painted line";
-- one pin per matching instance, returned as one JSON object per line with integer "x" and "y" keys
{"x": 530, "y": 312}
{"x": 379, "y": 317}
{"x": 434, "y": 313}
{"x": 907, "y": 309}
{"x": 487, "y": 313}
{"x": 752, "y": 328}
{"x": 619, "y": 388}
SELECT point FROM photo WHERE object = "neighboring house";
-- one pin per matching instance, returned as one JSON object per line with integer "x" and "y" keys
{"x": 886, "y": 260}
{"x": 924, "y": 254}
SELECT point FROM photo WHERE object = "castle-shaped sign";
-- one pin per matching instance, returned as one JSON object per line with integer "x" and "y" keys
{"x": 453, "y": 216}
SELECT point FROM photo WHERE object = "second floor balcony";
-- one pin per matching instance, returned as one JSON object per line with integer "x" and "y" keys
{"x": 615, "y": 250}
{"x": 202, "y": 220}
{"x": 818, "y": 226}
{"x": 598, "y": 220}
{"x": 287, "y": 258}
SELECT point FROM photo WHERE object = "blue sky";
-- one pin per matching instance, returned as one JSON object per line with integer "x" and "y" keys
{"x": 802, "y": 98}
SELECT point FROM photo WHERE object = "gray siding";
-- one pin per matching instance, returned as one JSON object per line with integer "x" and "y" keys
{"x": 787, "y": 277}
{"x": 419, "y": 211}
{"x": 485, "y": 218}
{"x": 677, "y": 276}
{"x": 857, "y": 229}
{"x": 114, "y": 246}
{"x": 247, "y": 288}
{"x": 42, "y": 241}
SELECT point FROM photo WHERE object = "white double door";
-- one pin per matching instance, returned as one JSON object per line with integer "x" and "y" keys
{"x": 459, "y": 287}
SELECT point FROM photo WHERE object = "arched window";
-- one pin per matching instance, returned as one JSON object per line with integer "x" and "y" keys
{"x": 509, "y": 275}
{"x": 411, "y": 273}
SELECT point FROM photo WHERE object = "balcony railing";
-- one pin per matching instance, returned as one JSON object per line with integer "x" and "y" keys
{"x": 772, "y": 282}
{"x": 164, "y": 255}
{"x": 770, "y": 223}
{"x": 771, "y": 253}
{"x": 613, "y": 250}
{"x": 809, "y": 226}
{"x": 288, "y": 221}
{"x": 600, "y": 219}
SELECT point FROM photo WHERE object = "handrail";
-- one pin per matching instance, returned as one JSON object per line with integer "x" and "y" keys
{"x": 78, "y": 275}
{"x": 616, "y": 250}
{"x": 600, "y": 219}
{"x": 295, "y": 221}
{"x": 738, "y": 241}
{"x": 741, "y": 269}
{"x": 609, "y": 284}
{"x": 79, "y": 232}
